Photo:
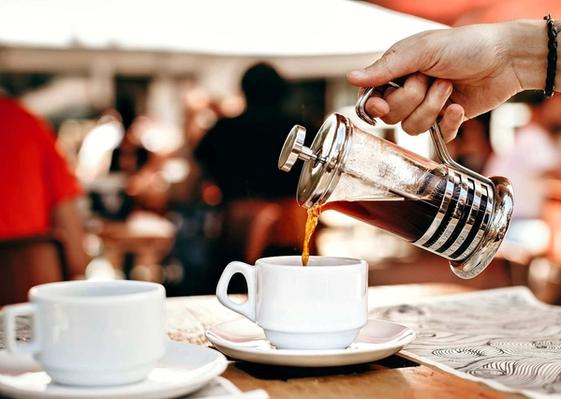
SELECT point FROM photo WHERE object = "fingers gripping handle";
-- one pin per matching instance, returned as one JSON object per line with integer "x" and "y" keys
{"x": 360, "y": 107}
{"x": 366, "y": 93}
{"x": 10, "y": 314}
{"x": 360, "y": 110}
{"x": 437, "y": 138}
{"x": 246, "y": 308}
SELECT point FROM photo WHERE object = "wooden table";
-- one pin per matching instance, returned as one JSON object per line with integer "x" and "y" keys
{"x": 389, "y": 378}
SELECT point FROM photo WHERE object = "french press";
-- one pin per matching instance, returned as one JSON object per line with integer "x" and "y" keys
{"x": 443, "y": 207}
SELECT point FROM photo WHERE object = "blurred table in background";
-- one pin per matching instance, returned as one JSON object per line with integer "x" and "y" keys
{"x": 144, "y": 237}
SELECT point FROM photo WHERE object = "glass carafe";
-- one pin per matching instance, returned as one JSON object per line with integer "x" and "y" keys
{"x": 442, "y": 207}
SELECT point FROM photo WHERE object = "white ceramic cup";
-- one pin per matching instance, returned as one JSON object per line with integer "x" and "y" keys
{"x": 92, "y": 333}
{"x": 319, "y": 306}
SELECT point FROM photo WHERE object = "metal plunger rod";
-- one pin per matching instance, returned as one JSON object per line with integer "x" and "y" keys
{"x": 306, "y": 154}
{"x": 294, "y": 149}
{"x": 395, "y": 191}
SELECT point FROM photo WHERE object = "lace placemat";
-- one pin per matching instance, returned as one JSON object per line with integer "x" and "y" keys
{"x": 505, "y": 338}
{"x": 23, "y": 330}
{"x": 188, "y": 319}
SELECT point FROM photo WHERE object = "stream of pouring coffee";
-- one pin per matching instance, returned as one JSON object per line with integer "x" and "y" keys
{"x": 311, "y": 223}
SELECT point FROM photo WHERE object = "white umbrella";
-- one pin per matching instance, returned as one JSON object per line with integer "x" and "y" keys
{"x": 258, "y": 29}
{"x": 212, "y": 40}
{"x": 224, "y": 27}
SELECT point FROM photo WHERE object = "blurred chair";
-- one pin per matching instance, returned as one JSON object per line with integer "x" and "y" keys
{"x": 526, "y": 241}
{"x": 27, "y": 262}
{"x": 253, "y": 226}
{"x": 545, "y": 275}
{"x": 552, "y": 216}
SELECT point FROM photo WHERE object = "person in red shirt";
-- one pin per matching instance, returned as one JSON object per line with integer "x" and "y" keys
{"x": 37, "y": 191}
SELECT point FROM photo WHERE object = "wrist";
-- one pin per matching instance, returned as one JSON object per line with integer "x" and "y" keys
{"x": 526, "y": 41}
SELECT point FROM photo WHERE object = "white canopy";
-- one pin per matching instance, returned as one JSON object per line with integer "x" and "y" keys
{"x": 213, "y": 40}
{"x": 220, "y": 27}
{"x": 301, "y": 37}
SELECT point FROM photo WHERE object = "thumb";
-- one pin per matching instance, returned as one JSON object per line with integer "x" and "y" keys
{"x": 392, "y": 65}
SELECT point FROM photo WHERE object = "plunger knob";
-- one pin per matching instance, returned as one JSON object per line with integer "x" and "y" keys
{"x": 294, "y": 149}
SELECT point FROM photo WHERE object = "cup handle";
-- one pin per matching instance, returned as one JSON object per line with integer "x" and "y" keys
{"x": 246, "y": 308}
{"x": 10, "y": 313}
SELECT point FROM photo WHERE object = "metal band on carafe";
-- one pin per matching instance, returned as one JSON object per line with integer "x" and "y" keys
{"x": 462, "y": 218}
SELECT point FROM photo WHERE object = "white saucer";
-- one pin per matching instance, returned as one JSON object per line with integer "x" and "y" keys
{"x": 184, "y": 369}
{"x": 244, "y": 340}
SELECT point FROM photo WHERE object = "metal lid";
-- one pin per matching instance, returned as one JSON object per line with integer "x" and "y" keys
{"x": 496, "y": 231}
{"x": 322, "y": 161}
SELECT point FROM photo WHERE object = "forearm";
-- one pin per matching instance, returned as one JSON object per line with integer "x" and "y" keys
{"x": 527, "y": 43}
{"x": 67, "y": 227}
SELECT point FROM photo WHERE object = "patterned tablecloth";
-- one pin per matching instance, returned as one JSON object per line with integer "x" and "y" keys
{"x": 505, "y": 338}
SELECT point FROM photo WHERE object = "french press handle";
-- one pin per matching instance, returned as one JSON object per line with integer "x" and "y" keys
{"x": 435, "y": 133}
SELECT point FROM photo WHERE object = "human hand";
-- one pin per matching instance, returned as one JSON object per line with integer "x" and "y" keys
{"x": 477, "y": 67}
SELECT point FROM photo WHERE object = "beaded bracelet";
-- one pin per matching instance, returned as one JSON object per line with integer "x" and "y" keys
{"x": 551, "y": 56}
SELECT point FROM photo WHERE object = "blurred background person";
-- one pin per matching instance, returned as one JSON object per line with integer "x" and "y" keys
{"x": 472, "y": 146}
{"x": 240, "y": 155}
{"x": 533, "y": 164}
{"x": 39, "y": 200}
{"x": 534, "y": 156}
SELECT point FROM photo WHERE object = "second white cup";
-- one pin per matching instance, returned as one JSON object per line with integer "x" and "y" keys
{"x": 93, "y": 333}
{"x": 319, "y": 306}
